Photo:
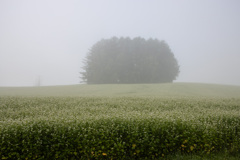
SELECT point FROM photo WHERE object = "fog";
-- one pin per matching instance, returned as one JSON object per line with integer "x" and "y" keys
{"x": 45, "y": 42}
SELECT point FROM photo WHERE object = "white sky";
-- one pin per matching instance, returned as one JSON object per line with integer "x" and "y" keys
{"x": 50, "y": 38}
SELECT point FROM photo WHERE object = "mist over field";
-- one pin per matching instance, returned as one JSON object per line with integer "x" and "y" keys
{"x": 45, "y": 42}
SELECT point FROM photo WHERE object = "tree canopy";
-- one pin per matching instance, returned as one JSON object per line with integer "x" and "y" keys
{"x": 125, "y": 60}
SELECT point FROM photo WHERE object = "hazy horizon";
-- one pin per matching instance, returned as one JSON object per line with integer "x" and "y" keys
{"x": 46, "y": 41}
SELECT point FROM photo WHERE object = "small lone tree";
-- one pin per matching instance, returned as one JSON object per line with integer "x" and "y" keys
{"x": 125, "y": 60}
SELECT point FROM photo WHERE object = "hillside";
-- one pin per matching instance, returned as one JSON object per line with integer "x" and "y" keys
{"x": 120, "y": 90}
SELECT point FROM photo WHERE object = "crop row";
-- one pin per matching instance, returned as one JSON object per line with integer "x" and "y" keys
{"x": 128, "y": 128}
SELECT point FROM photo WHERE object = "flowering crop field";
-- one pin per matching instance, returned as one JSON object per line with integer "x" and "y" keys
{"x": 142, "y": 121}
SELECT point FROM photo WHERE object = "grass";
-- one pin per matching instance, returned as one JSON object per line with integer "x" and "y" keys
{"x": 152, "y": 121}
{"x": 126, "y": 90}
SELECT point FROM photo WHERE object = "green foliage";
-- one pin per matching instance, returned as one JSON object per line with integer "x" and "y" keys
{"x": 118, "y": 128}
{"x": 122, "y": 60}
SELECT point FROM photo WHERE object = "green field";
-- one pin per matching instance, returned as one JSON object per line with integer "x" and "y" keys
{"x": 126, "y": 90}
{"x": 127, "y": 121}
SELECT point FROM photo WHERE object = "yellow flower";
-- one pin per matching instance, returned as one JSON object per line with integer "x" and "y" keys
{"x": 191, "y": 148}
{"x": 104, "y": 154}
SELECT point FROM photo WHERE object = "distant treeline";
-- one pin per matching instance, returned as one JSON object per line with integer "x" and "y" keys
{"x": 125, "y": 60}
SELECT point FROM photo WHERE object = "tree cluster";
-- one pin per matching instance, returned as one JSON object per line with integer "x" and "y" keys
{"x": 125, "y": 60}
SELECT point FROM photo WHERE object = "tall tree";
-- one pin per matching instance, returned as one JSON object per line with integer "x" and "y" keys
{"x": 125, "y": 60}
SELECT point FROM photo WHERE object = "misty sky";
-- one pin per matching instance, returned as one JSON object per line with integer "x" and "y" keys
{"x": 48, "y": 39}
